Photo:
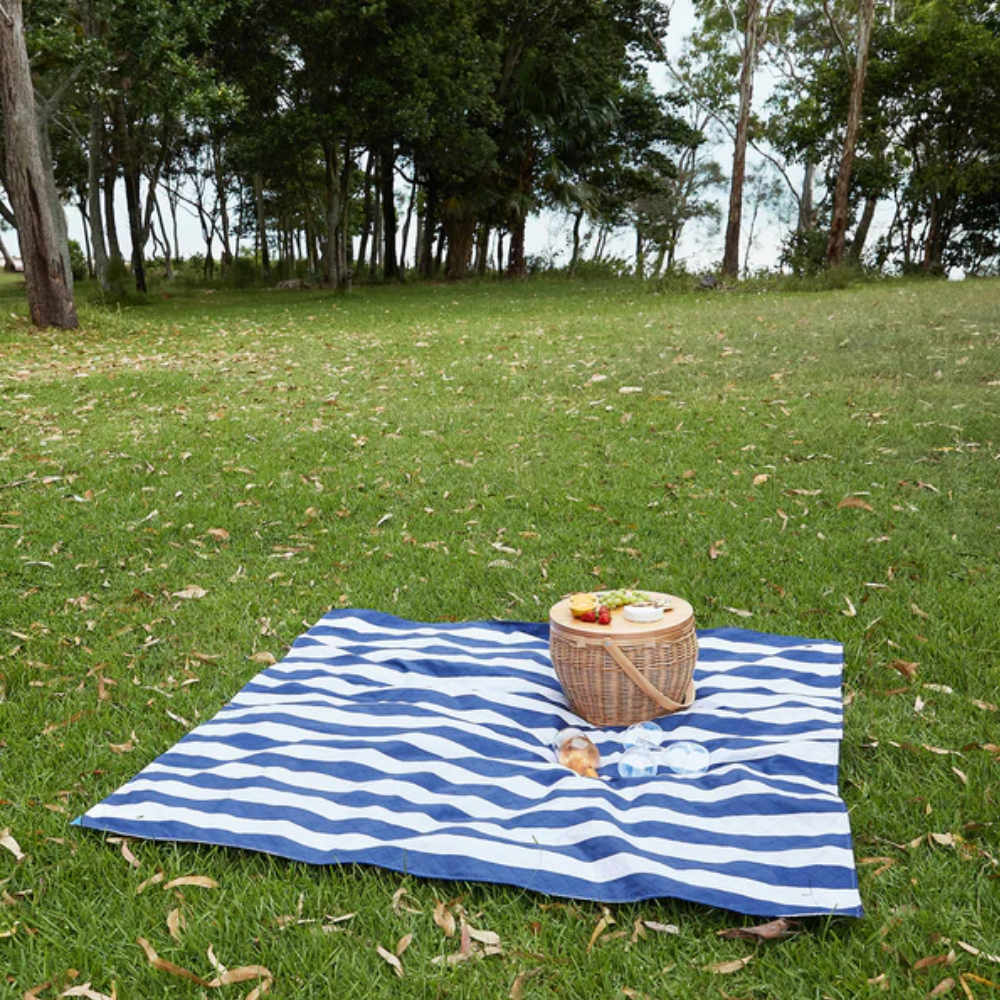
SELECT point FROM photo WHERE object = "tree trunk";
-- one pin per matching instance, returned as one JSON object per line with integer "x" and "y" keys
{"x": 110, "y": 222}
{"x": 95, "y": 152}
{"x": 221, "y": 192}
{"x": 85, "y": 229}
{"x": 366, "y": 223}
{"x": 334, "y": 270}
{"x": 460, "y": 229}
{"x": 130, "y": 170}
{"x": 806, "y": 221}
{"x": 258, "y": 197}
{"x": 50, "y": 298}
{"x": 406, "y": 226}
{"x": 430, "y": 215}
{"x": 517, "y": 265}
{"x": 841, "y": 194}
{"x": 56, "y": 212}
{"x": 640, "y": 254}
{"x": 857, "y": 246}
{"x": 574, "y": 259}
{"x": 387, "y": 179}
{"x": 731, "y": 255}
{"x": 482, "y": 248}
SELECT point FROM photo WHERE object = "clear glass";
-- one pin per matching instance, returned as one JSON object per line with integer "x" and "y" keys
{"x": 636, "y": 762}
{"x": 643, "y": 734}
{"x": 686, "y": 759}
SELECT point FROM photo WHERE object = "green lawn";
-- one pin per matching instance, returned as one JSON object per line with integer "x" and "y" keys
{"x": 819, "y": 464}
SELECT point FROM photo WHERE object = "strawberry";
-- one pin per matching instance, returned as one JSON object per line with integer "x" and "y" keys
{"x": 604, "y": 617}
{"x": 588, "y": 616}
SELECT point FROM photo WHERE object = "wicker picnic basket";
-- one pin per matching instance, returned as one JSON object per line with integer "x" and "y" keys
{"x": 625, "y": 672}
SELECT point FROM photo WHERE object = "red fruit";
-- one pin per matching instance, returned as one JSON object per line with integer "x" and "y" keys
{"x": 588, "y": 616}
{"x": 604, "y": 618}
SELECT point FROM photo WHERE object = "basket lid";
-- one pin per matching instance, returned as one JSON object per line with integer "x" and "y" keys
{"x": 677, "y": 619}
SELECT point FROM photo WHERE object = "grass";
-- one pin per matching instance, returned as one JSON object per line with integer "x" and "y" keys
{"x": 814, "y": 464}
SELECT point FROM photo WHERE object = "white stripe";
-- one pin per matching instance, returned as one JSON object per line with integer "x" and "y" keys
{"x": 446, "y": 847}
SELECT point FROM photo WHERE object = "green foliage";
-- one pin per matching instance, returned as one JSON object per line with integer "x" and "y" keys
{"x": 78, "y": 261}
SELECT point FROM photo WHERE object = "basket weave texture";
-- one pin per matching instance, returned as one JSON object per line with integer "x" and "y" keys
{"x": 596, "y": 686}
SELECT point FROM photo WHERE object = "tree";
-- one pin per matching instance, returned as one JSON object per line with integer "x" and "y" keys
{"x": 838, "y": 222}
{"x": 28, "y": 180}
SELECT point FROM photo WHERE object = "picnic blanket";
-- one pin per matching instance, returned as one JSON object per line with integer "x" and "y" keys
{"x": 425, "y": 748}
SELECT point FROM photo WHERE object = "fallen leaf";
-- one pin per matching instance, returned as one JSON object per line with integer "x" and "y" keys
{"x": 403, "y": 943}
{"x": 163, "y": 965}
{"x": 263, "y": 657}
{"x": 220, "y": 969}
{"x": 603, "y": 924}
{"x": 780, "y": 928}
{"x": 906, "y": 667}
{"x": 85, "y": 991}
{"x": 152, "y": 880}
{"x": 444, "y": 918}
{"x": 855, "y": 502}
{"x": 942, "y": 987}
{"x": 979, "y": 954}
{"x": 200, "y": 880}
{"x": 760, "y": 479}
{"x": 175, "y": 922}
{"x": 918, "y": 612}
{"x": 652, "y": 925}
{"x": 517, "y": 988}
{"x": 739, "y": 611}
{"x": 6, "y": 840}
{"x": 11, "y": 931}
{"x": 986, "y": 706}
{"x": 242, "y": 975}
{"x": 190, "y": 593}
{"x": 932, "y": 960}
{"x": 397, "y": 965}
{"x": 219, "y": 534}
{"x": 851, "y": 611}
{"x": 484, "y": 937}
{"x": 727, "y": 968}
{"x": 400, "y": 905}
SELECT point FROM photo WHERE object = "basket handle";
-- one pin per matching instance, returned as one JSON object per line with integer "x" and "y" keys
{"x": 643, "y": 684}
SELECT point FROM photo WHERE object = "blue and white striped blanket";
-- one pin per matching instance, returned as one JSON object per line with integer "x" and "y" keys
{"x": 425, "y": 748}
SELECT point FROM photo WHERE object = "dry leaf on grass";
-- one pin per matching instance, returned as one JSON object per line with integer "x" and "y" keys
{"x": 603, "y": 924}
{"x": 164, "y": 965}
{"x": 126, "y": 851}
{"x": 653, "y": 925}
{"x": 175, "y": 923}
{"x": 444, "y": 918}
{"x": 728, "y": 968}
{"x": 906, "y": 667}
{"x": 152, "y": 880}
{"x": 855, "y": 502}
{"x": 942, "y": 987}
{"x": 517, "y": 988}
{"x": 200, "y": 880}
{"x": 400, "y": 904}
{"x": 931, "y": 960}
{"x": 190, "y": 593}
{"x": 263, "y": 657}
{"x": 780, "y": 928}
{"x": 393, "y": 960}
{"x": 403, "y": 943}
{"x": 85, "y": 990}
{"x": 7, "y": 841}
{"x": 11, "y": 931}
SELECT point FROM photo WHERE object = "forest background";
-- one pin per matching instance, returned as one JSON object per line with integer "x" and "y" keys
{"x": 339, "y": 142}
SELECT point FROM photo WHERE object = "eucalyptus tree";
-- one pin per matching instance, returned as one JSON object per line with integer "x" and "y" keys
{"x": 29, "y": 182}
